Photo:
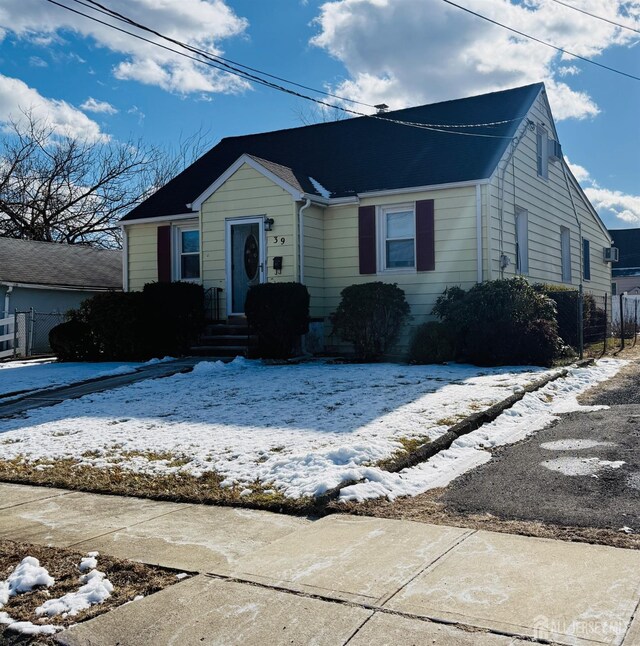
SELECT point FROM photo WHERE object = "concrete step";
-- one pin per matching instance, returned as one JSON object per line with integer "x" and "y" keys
{"x": 223, "y": 329}
{"x": 218, "y": 350}
{"x": 228, "y": 339}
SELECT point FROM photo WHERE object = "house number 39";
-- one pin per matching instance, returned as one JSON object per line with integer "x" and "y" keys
{"x": 277, "y": 240}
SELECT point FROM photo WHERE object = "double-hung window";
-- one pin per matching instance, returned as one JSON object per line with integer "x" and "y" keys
{"x": 565, "y": 254}
{"x": 188, "y": 253}
{"x": 586, "y": 259}
{"x": 398, "y": 228}
{"x": 542, "y": 152}
{"x": 522, "y": 242}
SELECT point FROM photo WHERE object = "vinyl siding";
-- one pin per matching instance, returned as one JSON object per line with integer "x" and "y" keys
{"x": 549, "y": 208}
{"x": 455, "y": 253}
{"x": 143, "y": 255}
{"x": 247, "y": 193}
{"x": 314, "y": 259}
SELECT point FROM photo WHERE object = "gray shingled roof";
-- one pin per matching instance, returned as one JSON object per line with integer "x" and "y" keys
{"x": 59, "y": 265}
{"x": 365, "y": 154}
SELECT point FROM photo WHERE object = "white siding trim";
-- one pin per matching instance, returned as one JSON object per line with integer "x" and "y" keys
{"x": 479, "y": 230}
{"x": 125, "y": 259}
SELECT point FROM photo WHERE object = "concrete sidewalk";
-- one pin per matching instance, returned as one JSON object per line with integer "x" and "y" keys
{"x": 52, "y": 396}
{"x": 265, "y": 578}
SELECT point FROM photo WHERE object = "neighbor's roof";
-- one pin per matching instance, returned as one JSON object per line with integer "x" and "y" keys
{"x": 59, "y": 265}
{"x": 364, "y": 154}
{"x": 628, "y": 242}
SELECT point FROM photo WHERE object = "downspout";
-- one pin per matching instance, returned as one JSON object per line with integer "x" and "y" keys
{"x": 479, "y": 231}
{"x": 581, "y": 261}
{"x": 306, "y": 205}
{"x": 6, "y": 300}
{"x": 125, "y": 259}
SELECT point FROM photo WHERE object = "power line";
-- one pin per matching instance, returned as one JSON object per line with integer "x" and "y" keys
{"x": 586, "y": 13}
{"x": 216, "y": 57}
{"x": 227, "y": 68}
{"x": 96, "y": 6}
{"x": 543, "y": 42}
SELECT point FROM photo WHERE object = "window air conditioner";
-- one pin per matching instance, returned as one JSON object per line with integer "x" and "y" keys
{"x": 555, "y": 150}
{"x": 611, "y": 254}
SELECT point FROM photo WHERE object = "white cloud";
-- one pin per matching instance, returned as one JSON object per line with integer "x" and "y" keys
{"x": 202, "y": 23}
{"x": 623, "y": 206}
{"x": 16, "y": 98}
{"x": 101, "y": 107}
{"x": 407, "y": 52}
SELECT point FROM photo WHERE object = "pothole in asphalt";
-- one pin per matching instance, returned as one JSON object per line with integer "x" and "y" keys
{"x": 580, "y": 466}
{"x": 573, "y": 445}
{"x": 633, "y": 480}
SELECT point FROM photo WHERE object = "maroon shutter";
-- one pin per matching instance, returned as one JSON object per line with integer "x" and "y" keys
{"x": 164, "y": 254}
{"x": 425, "y": 236}
{"x": 367, "y": 239}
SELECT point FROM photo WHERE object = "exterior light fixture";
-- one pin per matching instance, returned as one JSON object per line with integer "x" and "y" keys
{"x": 268, "y": 224}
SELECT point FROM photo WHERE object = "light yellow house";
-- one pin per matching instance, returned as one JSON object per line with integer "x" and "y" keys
{"x": 446, "y": 194}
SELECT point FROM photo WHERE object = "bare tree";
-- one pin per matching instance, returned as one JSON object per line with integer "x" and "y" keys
{"x": 62, "y": 189}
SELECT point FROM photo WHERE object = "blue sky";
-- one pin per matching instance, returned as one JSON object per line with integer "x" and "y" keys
{"x": 96, "y": 83}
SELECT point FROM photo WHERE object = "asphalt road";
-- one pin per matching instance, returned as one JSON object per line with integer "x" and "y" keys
{"x": 569, "y": 473}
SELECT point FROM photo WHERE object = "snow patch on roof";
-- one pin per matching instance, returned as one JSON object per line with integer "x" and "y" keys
{"x": 321, "y": 190}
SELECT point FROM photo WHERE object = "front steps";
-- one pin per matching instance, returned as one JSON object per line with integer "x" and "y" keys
{"x": 228, "y": 339}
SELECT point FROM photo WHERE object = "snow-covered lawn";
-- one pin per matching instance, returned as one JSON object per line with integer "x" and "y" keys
{"x": 38, "y": 374}
{"x": 297, "y": 429}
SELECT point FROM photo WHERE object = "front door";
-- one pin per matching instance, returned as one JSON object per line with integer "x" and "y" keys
{"x": 245, "y": 251}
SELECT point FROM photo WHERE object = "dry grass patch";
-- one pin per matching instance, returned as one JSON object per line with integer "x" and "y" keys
{"x": 129, "y": 580}
{"x": 409, "y": 445}
{"x": 176, "y": 487}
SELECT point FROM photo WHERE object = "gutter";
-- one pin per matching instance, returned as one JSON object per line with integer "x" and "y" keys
{"x": 65, "y": 288}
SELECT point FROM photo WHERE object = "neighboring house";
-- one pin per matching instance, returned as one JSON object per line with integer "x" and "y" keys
{"x": 626, "y": 272}
{"x": 400, "y": 197}
{"x": 51, "y": 277}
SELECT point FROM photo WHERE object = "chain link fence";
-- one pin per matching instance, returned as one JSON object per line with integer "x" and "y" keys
{"x": 26, "y": 334}
{"x": 597, "y": 322}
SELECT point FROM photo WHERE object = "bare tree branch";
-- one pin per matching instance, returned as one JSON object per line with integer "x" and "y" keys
{"x": 60, "y": 189}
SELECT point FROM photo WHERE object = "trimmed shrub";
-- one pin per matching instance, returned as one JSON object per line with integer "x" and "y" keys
{"x": 279, "y": 314}
{"x": 501, "y": 322}
{"x": 175, "y": 312}
{"x": 431, "y": 343}
{"x": 118, "y": 324}
{"x": 370, "y": 316}
{"x": 164, "y": 318}
{"x": 566, "y": 300}
{"x": 72, "y": 341}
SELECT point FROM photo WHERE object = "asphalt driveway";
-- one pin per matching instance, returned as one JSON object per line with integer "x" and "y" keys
{"x": 583, "y": 471}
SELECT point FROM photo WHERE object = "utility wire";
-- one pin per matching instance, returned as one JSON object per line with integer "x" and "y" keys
{"x": 542, "y": 42}
{"x": 96, "y": 6}
{"x": 593, "y": 15}
{"x": 225, "y": 67}
{"x": 207, "y": 54}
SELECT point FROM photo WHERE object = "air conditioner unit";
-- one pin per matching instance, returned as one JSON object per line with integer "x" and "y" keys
{"x": 555, "y": 150}
{"x": 611, "y": 254}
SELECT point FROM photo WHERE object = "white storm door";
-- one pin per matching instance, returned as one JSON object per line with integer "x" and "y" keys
{"x": 245, "y": 260}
